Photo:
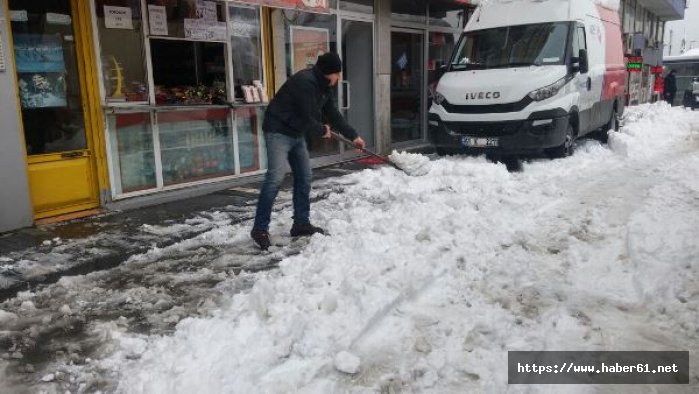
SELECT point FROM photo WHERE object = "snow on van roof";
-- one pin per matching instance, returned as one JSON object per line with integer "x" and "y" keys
{"x": 692, "y": 54}
{"x": 611, "y": 4}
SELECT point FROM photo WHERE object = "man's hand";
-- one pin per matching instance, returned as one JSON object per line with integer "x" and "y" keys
{"x": 327, "y": 134}
{"x": 359, "y": 143}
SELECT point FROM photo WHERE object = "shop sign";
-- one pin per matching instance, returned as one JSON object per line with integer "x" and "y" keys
{"x": 157, "y": 19}
{"x": 313, "y": 5}
{"x": 117, "y": 17}
{"x": 634, "y": 64}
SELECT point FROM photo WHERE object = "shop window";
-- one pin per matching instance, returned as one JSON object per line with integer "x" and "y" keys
{"x": 47, "y": 76}
{"x": 195, "y": 145}
{"x": 119, "y": 25}
{"x": 188, "y": 72}
{"x": 249, "y": 126}
{"x": 412, "y": 11}
{"x": 363, "y": 6}
{"x": 131, "y": 148}
{"x": 190, "y": 19}
{"x": 448, "y": 14}
{"x": 246, "y": 47}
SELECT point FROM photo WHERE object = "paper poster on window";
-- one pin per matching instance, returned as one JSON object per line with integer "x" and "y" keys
{"x": 157, "y": 19}
{"x": 58, "y": 19}
{"x": 207, "y": 10}
{"x": 19, "y": 16}
{"x": 307, "y": 43}
{"x": 243, "y": 27}
{"x": 201, "y": 29}
{"x": 41, "y": 70}
{"x": 118, "y": 17}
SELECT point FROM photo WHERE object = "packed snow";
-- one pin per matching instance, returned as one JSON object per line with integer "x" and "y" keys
{"x": 424, "y": 283}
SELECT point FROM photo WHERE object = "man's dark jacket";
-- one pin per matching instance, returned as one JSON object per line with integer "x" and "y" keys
{"x": 670, "y": 83}
{"x": 303, "y": 105}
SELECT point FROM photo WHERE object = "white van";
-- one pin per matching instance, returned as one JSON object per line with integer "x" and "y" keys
{"x": 529, "y": 76}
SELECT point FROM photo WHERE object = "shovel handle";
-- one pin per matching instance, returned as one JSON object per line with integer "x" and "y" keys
{"x": 346, "y": 140}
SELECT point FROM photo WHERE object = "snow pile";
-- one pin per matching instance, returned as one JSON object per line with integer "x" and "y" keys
{"x": 647, "y": 131}
{"x": 347, "y": 362}
{"x": 412, "y": 163}
{"x": 427, "y": 282}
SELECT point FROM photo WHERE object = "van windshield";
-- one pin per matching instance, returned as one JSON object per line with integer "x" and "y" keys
{"x": 512, "y": 46}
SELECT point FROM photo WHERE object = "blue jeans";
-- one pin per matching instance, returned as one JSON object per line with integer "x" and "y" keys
{"x": 280, "y": 149}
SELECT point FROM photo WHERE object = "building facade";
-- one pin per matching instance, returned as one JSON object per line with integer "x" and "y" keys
{"x": 643, "y": 26}
{"x": 110, "y": 104}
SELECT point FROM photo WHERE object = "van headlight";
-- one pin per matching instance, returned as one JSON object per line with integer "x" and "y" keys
{"x": 439, "y": 98}
{"x": 548, "y": 91}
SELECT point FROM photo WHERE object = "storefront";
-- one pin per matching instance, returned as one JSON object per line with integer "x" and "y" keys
{"x": 121, "y": 100}
{"x": 176, "y": 78}
{"x": 423, "y": 36}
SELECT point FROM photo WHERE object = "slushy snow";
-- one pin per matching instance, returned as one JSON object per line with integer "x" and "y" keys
{"x": 426, "y": 282}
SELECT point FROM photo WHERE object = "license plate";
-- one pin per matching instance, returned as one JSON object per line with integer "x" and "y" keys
{"x": 476, "y": 142}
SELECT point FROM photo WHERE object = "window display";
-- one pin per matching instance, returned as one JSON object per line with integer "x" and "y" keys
{"x": 195, "y": 145}
{"x": 246, "y": 47}
{"x": 189, "y": 72}
{"x": 131, "y": 143}
{"x": 119, "y": 27}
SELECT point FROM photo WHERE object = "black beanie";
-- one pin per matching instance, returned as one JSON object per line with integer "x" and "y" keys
{"x": 329, "y": 63}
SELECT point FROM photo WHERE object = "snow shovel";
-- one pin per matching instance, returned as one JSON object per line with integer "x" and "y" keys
{"x": 346, "y": 140}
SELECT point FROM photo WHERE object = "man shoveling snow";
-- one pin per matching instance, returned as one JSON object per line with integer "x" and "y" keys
{"x": 295, "y": 111}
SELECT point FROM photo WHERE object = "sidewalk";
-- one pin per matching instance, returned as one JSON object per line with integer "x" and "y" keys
{"x": 42, "y": 255}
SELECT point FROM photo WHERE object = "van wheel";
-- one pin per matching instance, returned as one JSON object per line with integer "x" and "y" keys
{"x": 566, "y": 149}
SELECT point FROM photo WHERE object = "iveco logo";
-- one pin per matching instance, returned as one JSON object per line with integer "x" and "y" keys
{"x": 482, "y": 95}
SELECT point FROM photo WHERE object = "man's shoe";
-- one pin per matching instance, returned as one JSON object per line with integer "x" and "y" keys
{"x": 305, "y": 230}
{"x": 261, "y": 238}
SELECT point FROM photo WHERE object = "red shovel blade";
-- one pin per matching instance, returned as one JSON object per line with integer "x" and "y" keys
{"x": 370, "y": 161}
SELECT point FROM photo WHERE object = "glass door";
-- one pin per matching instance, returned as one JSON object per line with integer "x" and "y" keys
{"x": 50, "y": 87}
{"x": 357, "y": 87}
{"x": 407, "y": 86}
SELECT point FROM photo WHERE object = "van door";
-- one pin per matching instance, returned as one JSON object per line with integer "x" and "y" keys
{"x": 583, "y": 84}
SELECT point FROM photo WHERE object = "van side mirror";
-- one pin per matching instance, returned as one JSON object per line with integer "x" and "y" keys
{"x": 441, "y": 70}
{"x": 580, "y": 63}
